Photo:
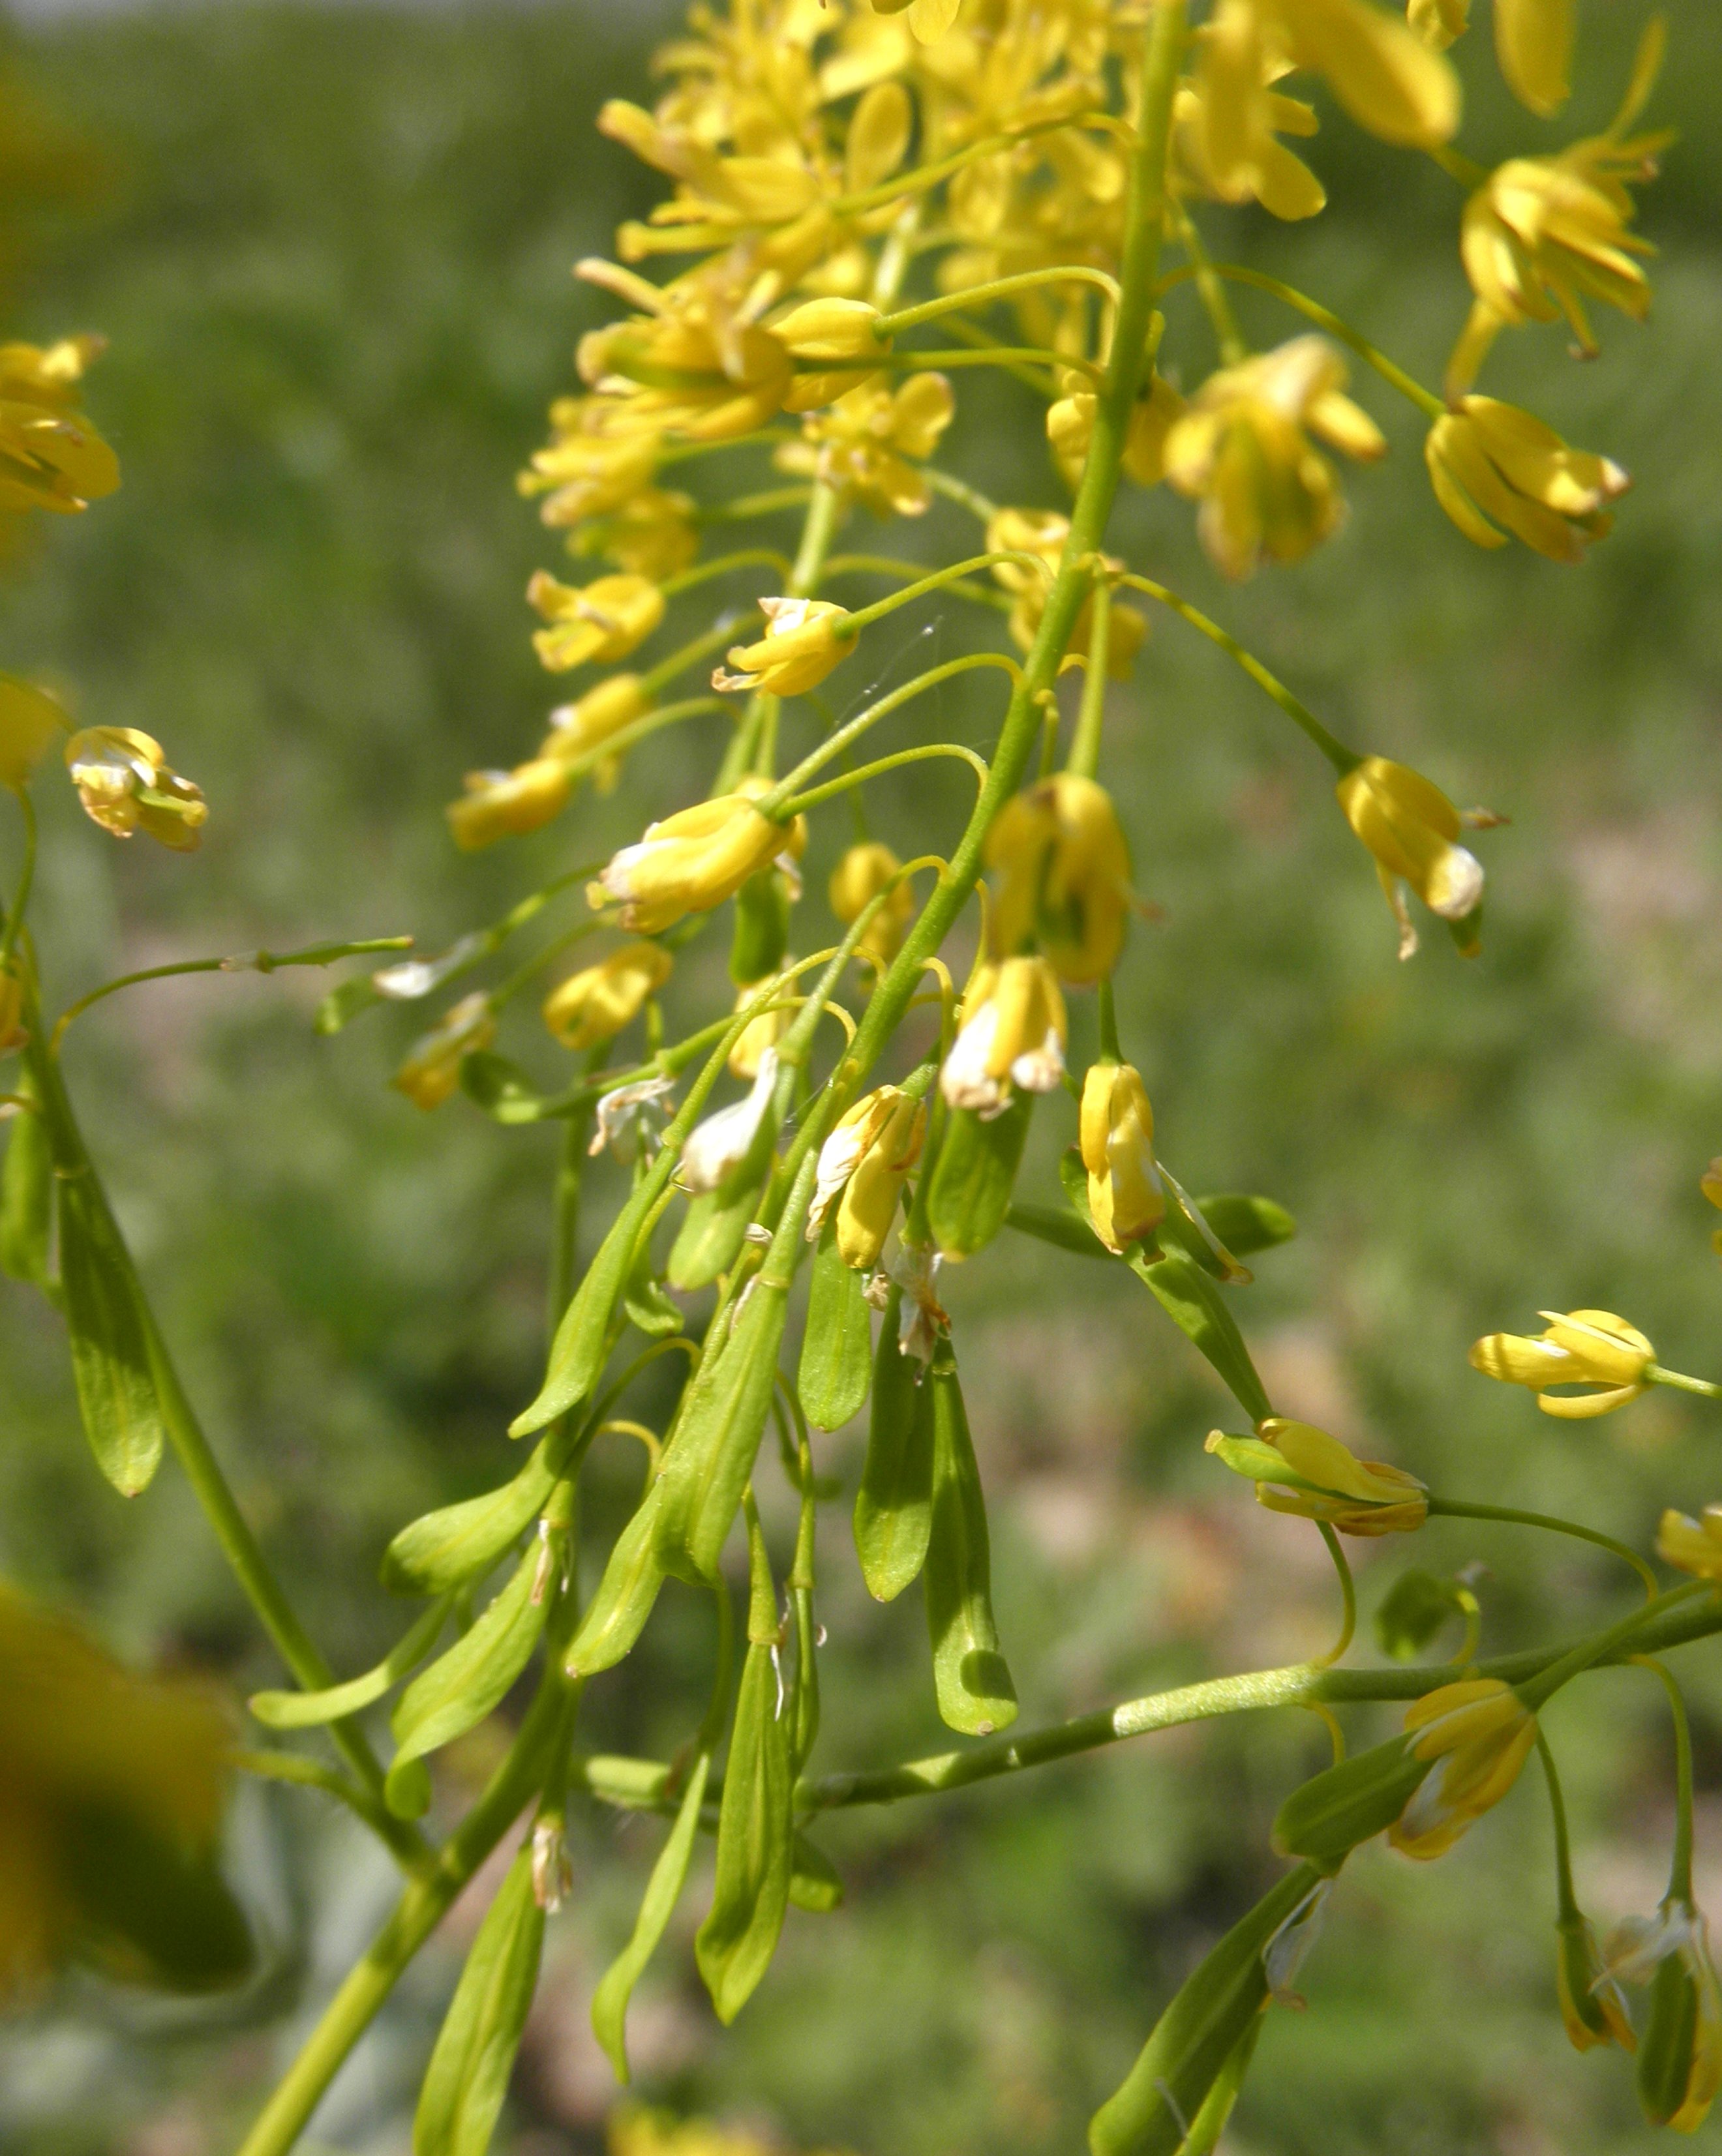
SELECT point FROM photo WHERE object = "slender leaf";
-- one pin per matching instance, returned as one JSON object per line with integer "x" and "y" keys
{"x": 302, "y": 1709}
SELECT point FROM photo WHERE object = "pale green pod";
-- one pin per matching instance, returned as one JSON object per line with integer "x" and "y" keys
{"x": 970, "y": 1676}
{"x": 711, "y": 1452}
{"x": 710, "y": 1239}
{"x": 837, "y": 1344}
{"x": 306, "y": 1710}
{"x": 974, "y": 1174}
{"x": 27, "y": 1200}
{"x": 893, "y": 1507}
{"x": 663, "y": 1890}
{"x": 615, "y": 1616}
{"x": 445, "y": 1548}
{"x": 111, "y": 1362}
{"x": 1330, "y": 1814}
{"x": 467, "y": 2078}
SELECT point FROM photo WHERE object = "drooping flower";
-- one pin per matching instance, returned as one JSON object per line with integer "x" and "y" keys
{"x": 1491, "y": 465}
{"x": 1680, "y": 2051}
{"x": 803, "y": 640}
{"x": 1592, "y": 2008}
{"x": 501, "y": 804}
{"x": 431, "y": 1070}
{"x": 866, "y": 1159}
{"x": 125, "y": 783}
{"x": 1013, "y": 1033}
{"x": 595, "y": 1004}
{"x": 864, "y": 871}
{"x": 577, "y": 729}
{"x": 1412, "y": 830}
{"x": 1066, "y": 885}
{"x": 689, "y": 862}
{"x": 1693, "y": 1546}
{"x": 1479, "y": 1733}
{"x": 1589, "y": 1347}
{"x": 597, "y": 624}
{"x": 1298, "y": 1468}
{"x": 1041, "y": 534}
{"x": 629, "y": 1117}
{"x": 51, "y": 456}
{"x": 1126, "y": 1199}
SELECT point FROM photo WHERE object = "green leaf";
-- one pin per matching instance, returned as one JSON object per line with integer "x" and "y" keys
{"x": 110, "y": 1335}
{"x": 467, "y": 2078}
{"x": 341, "y": 1005}
{"x": 27, "y": 1200}
{"x": 461, "y": 1687}
{"x": 815, "y": 1881}
{"x": 150, "y": 1909}
{"x": 970, "y": 1676}
{"x": 755, "y": 1843}
{"x": 1247, "y": 1224}
{"x": 837, "y": 1344}
{"x": 1194, "y": 1303}
{"x": 974, "y": 1174}
{"x": 1058, "y": 1225}
{"x": 615, "y": 1616}
{"x": 663, "y": 1890}
{"x": 458, "y": 1542}
{"x": 303, "y": 1710}
{"x": 893, "y": 1507}
{"x": 712, "y": 1449}
{"x": 1413, "y": 1611}
{"x": 1361, "y": 1797}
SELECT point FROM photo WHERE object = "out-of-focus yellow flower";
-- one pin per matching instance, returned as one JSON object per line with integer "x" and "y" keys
{"x": 1438, "y": 22}
{"x": 692, "y": 365}
{"x": 586, "y": 471}
{"x": 762, "y": 1034}
{"x": 1488, "y": 460}
{"x": 1693, "y": 1546}
{"x": 652, "y": 536}
{"x": 29, "y": 720}
{"x": 431, "y": 1069}
{"x": 1533, "y": 46}
{"x": 1229, "y": 119}
{"x": 804, "y": 642}
{"x": 1070, "y": 428}
{"x": 636, "y": 2133}
{"x": 861, "y": 445}
{"x": 693, "y": 861}
{"x": 830, "y": 330}
{"x": 1680, "y": 2052}
{"x": 1013, "y": 1033}
{"x": 864, "y": 871}
{"x": 104, "y": 1776}
{"x": 600, "y": 623}
{"x": 1042, "y": 533}
{"x": 1298, "y": 1468}
{"x": 1479, "y": 1733}
{"x": 1067, "y": 877}
{"x": 577, "y": 728}
{"x": 1412, "y": 830}
{"x": 1125, "y": 1199}
{"x": 867, "y": 1158}
{"x": 126, "y": 784}
{"x": 1592, "y": 2008}
{"x": 594, "y": 1004}
{"x": 1592, "y": 1348}
{"x": 51, "y": 456}
{"x": 1242, "y": 450}
{"x": 501, "y": 804}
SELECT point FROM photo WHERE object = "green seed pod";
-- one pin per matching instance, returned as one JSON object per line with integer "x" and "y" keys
{"x": 27, "y": 1199}
{"x": 837, "y": 1345}
{"x": 755, "y": 1837}
{"x": 970, "y": 1677}
{"x": 111, "y": 1363}
{"x": 974, "y": 1174}
{"x": 644, "y": 1301}
{"x": 615, "y": 1616}
{"x": 712, "y": 1231}
{"x": 1194, "y": 1303}
{"x": 711, "y": 1452}
{"x": 893, "y": 1507}
{"x": 1201, "y": 2043}
{"x": 445, "y": 1548}
{"x": 1680, "y": 2052}
{"x": 307, "y": 1710}
{"x": 663, "y": 1890}
{"x": 1329, "y": 1815}
{"x": 467, "y": 2078}
{"x": 1244, "y": 1224}
{"x": 762, "y": 929}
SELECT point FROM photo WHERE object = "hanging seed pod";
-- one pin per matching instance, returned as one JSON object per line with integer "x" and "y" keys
{"x": 111, "y": 1363}
{"x": 445, "y": 1548}
{"x": 1328, "y": 1817}
{"x": 467, "y": 2078}
{"x": 969, "y": 1674}
{"x": 307, "y": 1710}
{"x": 615, "y": 1616}
{"x": 755, "y": 1837}
{"x": 974, "y": 1174}
{"x": 1194, "y": 1303}
{"x": 711, "y": 1454}
{"x": 762, "y": 927}
{"x": 893, "y": 1507}
{"x": 663, "y": 1890}
{"x": 27, "y": 1200}
{"x": 837, "y": 1345}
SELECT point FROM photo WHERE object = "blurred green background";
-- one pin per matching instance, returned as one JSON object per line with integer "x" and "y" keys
{"x": 331, "y": 250}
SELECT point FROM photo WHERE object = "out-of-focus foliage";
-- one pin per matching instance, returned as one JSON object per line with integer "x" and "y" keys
{"x": 331, "y": 254}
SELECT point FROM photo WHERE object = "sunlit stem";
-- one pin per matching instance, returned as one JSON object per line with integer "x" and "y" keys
{"x": 1003, "y": 355}
{"x": 1348, "y": 1594}
{"x": 1342, "y": 758}
{"x": 1567, "y": 1901}
{"x": 745, "y": 506}
{"x": 624, "y": 738}
{"x": 1330, "y": 1721}
{"x": 888, "y": 565}
{"x": 983, "y": 339}
{"x": 1543, "y": 1687}
{"x": 940, "y": 577}
{"x": 1452, "y": 1508}
{"x": 749, "y": 557}
{"x": 1680, "y": 1868}
{"x": 1233, "y": 348}
{"x": 922, "y": 754}
{"x": 702, "y": 646}
{"x": 1084, "y": 759}
{"x": 971, "y": 498}
{"x": 27, "y": 876}
{"x": 1656, "y": 1375}
{"x": 776, "y": 801}
{"x": 996, "y": 288}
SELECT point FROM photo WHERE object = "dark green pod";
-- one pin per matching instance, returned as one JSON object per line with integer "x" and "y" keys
{"x": 970, "y": 1676}
{"x": 762, "y": 928}
{"x": 467, "y": 2078}
{"x": 109, "y": 1327}
{"x": 974, "y": 1174}
{"x": 837, "y": 1345}
{"x": 893, "y": 1507}
{"x": 1669, "y": 2043}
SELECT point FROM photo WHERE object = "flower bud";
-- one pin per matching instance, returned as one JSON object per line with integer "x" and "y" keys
{"x": 832, "y": 329}
{"x": 1066, "y": 882}
{"x": 1125, "y": 1199}
{"x": 1493, "y": 465}
{"x": 30, "y": 719}
{"x": 126, "y": 784}
{"x": 868, "y": 1157}
{"x": 1693, "y": 1546}
{"x": 1013, "y": 1032}
{"x": 577, "y": 728}
{"x": 600, "y": 623}
{"x": 761, "y": 1035}
{"x": 1412, "y": 830}
{"x": 1533, "y": 46}
{"x": 594, "y": 1004}
{"x": 1296, "y": 1468}
{"x": 432, "y": 1068}
{"x": 689, "y": 862}
{"x": 1591, "y": 2006}
{"x": 1477, "y": 1734}
{"x": 803, "y": 641}
{"x": 1680, "y": 2051}
{"x": 501, "y": 804}
{"x": 1590, "y": 1348}
{"x": 864, "y": 871}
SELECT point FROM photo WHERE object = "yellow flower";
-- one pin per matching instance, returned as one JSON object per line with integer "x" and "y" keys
{"x": 690, "y": 366}
{"x": 1693, "y": 1546}
{"x": 1241, "y": 449}
{"x": 1230, "y": 118}
{"x": 1066, "y": 882}
{"x": 1533, "y": 46}
{"x": 763, "y": 1032}
{"x": 652, "y": 536}
{"x": 577, "y": 728}
{"x": 1592, "y": 2005}
{"x": 30, "y": 719}
{"x": 594, "y": 1004}
{"x": 101, "y": 1773}
{"x": 868, "y": 1157}
{"x": 1042, "y": 533}
{"x": 50, "y": 455}
{"x": 689, "y": 862}
{"x": 1412, "y": 830}
{"x": 1298, "y": 1468}
{"x": 864, "y": 871}
{"x": 1125, "y": 1199}
{"x": 1479, "y": 1733}
{"x": 431, "y": 1070}
{"x": 861, "y": 445}
{"x": 830, "y": 330}
{"x": 1013, "y": 1032}
{"x": 1680, "y": 2053}
{"x": 126, "y": 784}
{"x": 1592, "y": 1348}
{"x": 1438, "y": 22}
{"x": 1489, "y": 460}
{"x": 803, "y": 641}
{"x": 587, "y": 471}
{"x": 601, "y": 623}
{"x": 1070, "y": 428}
{"x": 499, "y": 804}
